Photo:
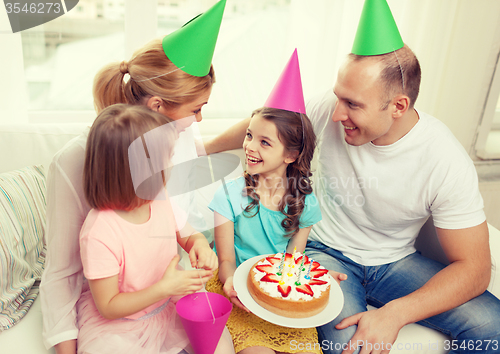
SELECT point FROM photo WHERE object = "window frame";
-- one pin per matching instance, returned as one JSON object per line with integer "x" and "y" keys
{"x": 490, "y": 117}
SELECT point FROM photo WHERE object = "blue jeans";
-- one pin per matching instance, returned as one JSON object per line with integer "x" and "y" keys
{"x": 472, "y": 326}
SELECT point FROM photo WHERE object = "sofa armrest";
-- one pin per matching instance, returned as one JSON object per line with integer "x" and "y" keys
{"x": 427, "y": 243}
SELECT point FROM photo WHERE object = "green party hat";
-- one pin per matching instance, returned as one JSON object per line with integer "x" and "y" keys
{"x": 377, "y": 31}
{"x": 192, "y": 46}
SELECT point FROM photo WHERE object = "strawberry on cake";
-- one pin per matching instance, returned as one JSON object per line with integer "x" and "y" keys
{"x": 290, "y": 285}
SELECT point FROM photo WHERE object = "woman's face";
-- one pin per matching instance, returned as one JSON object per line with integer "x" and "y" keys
{"x": 186, "y": 114}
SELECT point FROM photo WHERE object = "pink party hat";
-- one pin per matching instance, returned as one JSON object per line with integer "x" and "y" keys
{"x": 204, "y": 316}
{"x": 287, "y": 93}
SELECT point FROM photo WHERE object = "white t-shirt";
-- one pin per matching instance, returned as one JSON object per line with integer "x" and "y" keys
{"x": 374, "y": 199}
{"x": 62, "y": 280}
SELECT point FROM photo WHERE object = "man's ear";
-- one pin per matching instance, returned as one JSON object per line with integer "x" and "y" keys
{"x": 154, "y": 103}
{"x": 292, "y": 156}
{"x": 401, "y": 104}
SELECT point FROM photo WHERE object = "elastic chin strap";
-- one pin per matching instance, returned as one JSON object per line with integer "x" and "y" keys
{"x": 155, "y": 77}
{"x": 303, "y": 135}
{"x": 401, "y": 70}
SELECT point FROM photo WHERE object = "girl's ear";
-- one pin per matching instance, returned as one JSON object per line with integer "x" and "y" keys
{"x": 292, "y": 156}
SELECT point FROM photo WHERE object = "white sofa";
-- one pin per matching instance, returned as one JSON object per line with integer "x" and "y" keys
{"x": 31, "y": 144}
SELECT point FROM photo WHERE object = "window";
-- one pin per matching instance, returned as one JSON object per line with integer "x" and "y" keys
{"x": 62, "y": 56}
{"x": 488, "y": 138}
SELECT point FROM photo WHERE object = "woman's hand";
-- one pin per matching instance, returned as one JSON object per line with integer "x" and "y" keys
{"x": 177, "y": 282}
{"x": 231, "y": 293}
{"x": 202, "y": 256}
{"x": 337, "y": 276}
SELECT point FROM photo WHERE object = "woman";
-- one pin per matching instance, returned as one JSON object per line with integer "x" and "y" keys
{"x": 151, "y": 79}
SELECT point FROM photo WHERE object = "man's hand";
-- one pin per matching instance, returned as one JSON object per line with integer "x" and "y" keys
{"x": 337, "y": 276}
{"x": 377, "y": 331}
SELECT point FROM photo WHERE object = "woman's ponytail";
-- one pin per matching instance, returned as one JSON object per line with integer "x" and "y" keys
{"x": 108, "y": 86}
{"x": 148, "y": 73}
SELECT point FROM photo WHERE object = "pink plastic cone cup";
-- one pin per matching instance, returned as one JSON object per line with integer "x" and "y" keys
{"x": 198, "y": 322}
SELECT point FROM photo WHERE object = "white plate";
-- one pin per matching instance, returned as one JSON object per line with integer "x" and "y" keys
{"x": 328, "y": 314}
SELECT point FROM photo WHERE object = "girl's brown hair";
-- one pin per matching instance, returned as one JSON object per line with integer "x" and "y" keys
{"x": 151, "y": 74}
{"x": 107, "y": 178}
{"x": 296, "y": 133}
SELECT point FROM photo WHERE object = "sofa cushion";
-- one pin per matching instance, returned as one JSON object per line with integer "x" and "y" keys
{"x": 22, "y": 249}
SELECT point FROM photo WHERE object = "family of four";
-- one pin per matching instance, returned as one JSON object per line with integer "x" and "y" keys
{"x": 383, "y": 168}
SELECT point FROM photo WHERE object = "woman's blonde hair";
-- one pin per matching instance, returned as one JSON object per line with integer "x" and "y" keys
{"x": 107, "y": 175}
{"x": 151, "y": 74}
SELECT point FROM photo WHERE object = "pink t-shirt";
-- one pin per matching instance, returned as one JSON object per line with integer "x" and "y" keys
{"x": 138, "y": 253}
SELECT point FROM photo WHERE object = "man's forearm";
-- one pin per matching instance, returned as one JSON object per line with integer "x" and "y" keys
{"x": 451, "y": 287}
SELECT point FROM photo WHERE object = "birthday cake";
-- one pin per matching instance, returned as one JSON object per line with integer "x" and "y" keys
{"x": 290, "y": 285}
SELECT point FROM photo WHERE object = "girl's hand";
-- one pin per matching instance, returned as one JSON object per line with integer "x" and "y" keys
{"x": 337, "y": 276}
{"x": 177, "y": 282}
{"x": 231, "y": 293}
{"x": 202, "y": 256}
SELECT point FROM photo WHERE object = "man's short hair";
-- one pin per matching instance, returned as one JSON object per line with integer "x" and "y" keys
{"x": 400, "y": 74}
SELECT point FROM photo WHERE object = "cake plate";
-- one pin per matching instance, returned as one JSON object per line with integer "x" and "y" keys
{"x": 330, "y": 312}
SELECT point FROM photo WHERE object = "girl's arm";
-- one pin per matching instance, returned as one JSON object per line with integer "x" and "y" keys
{"x": 113, "y": 304}
{"x": 299, "y": 240}
{"x": 196, "y": 245}
{"x": 224, "y": 243}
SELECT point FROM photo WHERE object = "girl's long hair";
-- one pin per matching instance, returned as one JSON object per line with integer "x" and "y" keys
{"x": 296, "y": 133}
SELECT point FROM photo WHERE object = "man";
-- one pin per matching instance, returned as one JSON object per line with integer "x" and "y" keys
{"x": 383, "y": 169}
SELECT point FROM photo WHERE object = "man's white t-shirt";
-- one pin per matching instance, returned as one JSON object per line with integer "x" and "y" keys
{"x": 374, "y": 199}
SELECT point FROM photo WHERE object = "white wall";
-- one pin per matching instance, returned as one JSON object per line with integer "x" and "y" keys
{"x": 13, "y": 91}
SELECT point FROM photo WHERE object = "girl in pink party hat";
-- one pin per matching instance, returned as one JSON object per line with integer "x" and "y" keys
{"x": 270, "y": 208}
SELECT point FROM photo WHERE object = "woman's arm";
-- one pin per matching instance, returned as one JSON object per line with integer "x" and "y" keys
{"x": 230, "y": 139}
{"x": 62, "y": 278}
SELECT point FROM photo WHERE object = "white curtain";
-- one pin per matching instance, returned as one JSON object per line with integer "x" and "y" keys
{"x": 456, "y": 41}
{"x": 13, "y": 91}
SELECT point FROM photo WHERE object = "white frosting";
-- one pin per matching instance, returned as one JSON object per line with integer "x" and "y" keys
{"x": 272, "y": 288}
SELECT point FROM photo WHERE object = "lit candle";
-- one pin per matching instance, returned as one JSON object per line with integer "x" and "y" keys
{"x": 282, "y": 263}
{"x": 293, "y": 255}
{"x": 300, "y": 269}
{"x": 282, "y": 280}
{"x": 309, "y": 270}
